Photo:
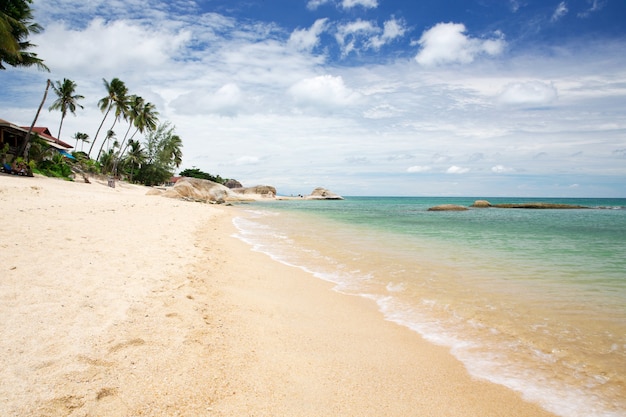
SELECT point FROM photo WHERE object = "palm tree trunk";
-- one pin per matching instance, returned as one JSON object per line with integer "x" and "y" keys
{"x": 25, "y": 146}
{"x": 98, "y": 131}
{"x": 105, "y": 141}
{"x": 60, "y": 126}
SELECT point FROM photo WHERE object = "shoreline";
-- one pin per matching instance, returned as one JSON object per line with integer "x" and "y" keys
{"x": 117, "y": 303}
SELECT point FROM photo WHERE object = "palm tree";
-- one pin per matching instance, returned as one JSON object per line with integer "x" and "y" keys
{"x": 83, "y": 137}
{"x": 135, "y": 156}
{"x": 144, "y": 117}
{"x": 66, "y": 100}
{"x": 121, "y": 112}
{"x": 116, "y": 92}
{"x": 107, "y": 140}
{"x": 16, "y": 24}
{"x": 172, "y": 150}
{"x": 25, "y": 146}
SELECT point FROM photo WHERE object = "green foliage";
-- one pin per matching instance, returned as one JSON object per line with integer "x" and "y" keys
{"x": 196, "y": 173}
{"x": 16, "y": 24}
{"x": 153, "y": 174}
{"x": 66, "y": 101}
{"x": 162, "y": 153}
{"x": 3, "y": 152}
{"x": 56, "y": 167}
{"x": 40, "y": 150}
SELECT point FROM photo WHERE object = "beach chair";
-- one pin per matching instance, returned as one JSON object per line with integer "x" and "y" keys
{"x": 7, "y": 168}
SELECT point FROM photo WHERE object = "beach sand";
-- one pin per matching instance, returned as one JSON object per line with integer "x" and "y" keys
{"x": 115, "y": 303}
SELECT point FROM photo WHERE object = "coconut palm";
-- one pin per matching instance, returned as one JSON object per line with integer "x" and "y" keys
{"x": 135, "y": 157}
{"x": 82, "y": 137}
{"x": 172, "y": 150}
{"x": 116, "y": 95}
{"x": 144, "y": 117}
{"x": 110, "y": 136}
{"x": 16, "y": 24}
{"x": 24, "y": 149}
{"x": 66, "y": 100}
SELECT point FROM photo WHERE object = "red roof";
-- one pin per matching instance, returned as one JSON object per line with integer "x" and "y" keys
{"x": 44, "y": 133}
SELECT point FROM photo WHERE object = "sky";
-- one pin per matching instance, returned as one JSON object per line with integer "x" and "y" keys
{"x": 517, "y": 98}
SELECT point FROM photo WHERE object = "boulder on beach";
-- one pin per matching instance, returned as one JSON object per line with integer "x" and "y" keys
{"x": 481, "y": 204}
{"x": 196, "y": 189}
{"x": 321, "y": 193}
{"x": 264, "y": 191}
{"x": 233, "y": 184}
{"x": 448, "y": 207}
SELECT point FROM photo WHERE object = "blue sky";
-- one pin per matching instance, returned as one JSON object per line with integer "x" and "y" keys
{"x": 364, "y": 97}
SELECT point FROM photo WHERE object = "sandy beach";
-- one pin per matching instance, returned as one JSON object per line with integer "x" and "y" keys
{"x": 117, "y": 303}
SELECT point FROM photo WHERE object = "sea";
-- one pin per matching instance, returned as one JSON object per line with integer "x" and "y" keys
{"x": 532, "y": 299}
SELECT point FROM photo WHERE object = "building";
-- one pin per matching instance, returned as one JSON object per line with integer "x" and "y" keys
{"x": 15, "y": 135}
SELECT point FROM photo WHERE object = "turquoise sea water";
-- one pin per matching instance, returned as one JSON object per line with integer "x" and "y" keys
{"x": 531, "y": 299}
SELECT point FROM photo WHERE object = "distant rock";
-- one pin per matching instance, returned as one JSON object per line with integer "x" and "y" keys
{"x": 263, "y": 191}
{"x": 233, "y": 184}
{"x": 539, "y": 205}
{"x": 196, "y": 189}
{"x": 448, "y": 207}
{"x": 481, "y": 204}
{"x": 321, "y": 193}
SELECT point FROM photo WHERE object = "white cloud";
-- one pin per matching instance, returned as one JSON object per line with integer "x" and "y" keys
{"x": 368, "y": 4}
{"x": 364, "y": 34}
{"x": 457, "y": 170}
{"x": 560, "y": 11}
{"x": 307, "y": 39}
{"x": 324, "y": 92}
{"x": 447, "y": 43}
{"x": 528, "y": 93}
{"x": 314, "y": 4}
{"x": 392, "y": 29}
{"x": 101, "y": 46}
{"x": 499, "y": 169}
{"x": 595, "y": 5}
{"x": 349, "y": 34}
{"x": 247, "y": 160}
{"x": 381, "y": 111}
{"x": 225, "y": 101}
{"x": 418, "y": 169}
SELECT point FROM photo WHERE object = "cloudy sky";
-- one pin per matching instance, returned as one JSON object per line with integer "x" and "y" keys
{"x": 364, "y": 97}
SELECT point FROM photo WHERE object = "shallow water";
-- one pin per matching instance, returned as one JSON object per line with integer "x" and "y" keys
{"x": 531, "y": 299}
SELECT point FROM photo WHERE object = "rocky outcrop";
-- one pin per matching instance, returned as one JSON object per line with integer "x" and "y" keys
{"x": 233, "y": 184}
{"x": 448, "y": 207}
{"x": 196, "y": 189}
{"x": 321, "y": 193}
{"x": 539, "y": 205}
{"x": 481, "y": 204}
{"x": 264, "y": 191}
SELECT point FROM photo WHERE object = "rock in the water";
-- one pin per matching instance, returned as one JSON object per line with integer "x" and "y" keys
{"x": 448, "y": 207}
{"x": 321, "y": 193}
{"x": 481, "y": 203}
{"x": 539, "y": 205}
